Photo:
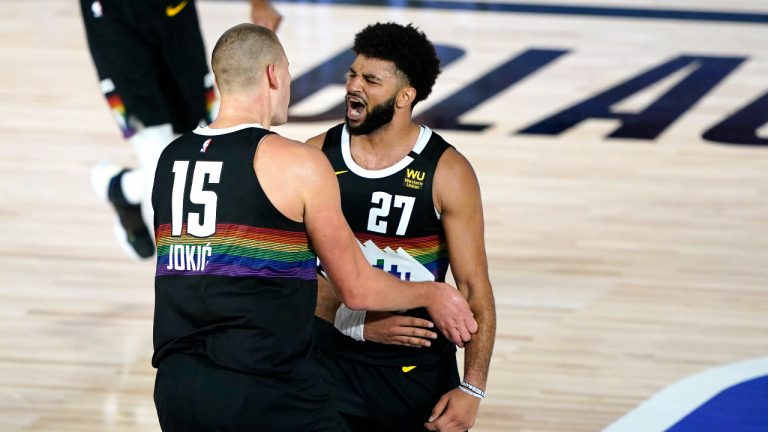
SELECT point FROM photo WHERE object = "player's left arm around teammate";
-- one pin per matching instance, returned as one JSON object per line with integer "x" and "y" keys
{"x": 457, "y": 198}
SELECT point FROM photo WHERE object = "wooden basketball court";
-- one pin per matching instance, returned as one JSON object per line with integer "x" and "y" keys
{"x": 621, "y": 146}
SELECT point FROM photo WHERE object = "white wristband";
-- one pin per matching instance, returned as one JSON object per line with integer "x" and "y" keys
{"x": 470, "y": 392}
{"x": 350, "y": 323}
{"x": 473, "y": 389}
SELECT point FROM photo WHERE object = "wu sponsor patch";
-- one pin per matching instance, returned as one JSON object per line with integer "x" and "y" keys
{"x": 414, "y": 179}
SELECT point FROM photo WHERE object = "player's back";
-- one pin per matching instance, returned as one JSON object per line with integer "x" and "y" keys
{"x": 235, "y": 279}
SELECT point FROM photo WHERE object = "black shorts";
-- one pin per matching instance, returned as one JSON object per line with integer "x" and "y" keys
{"x": 385, "y": 398}
{"x": 151, "y": 62}
{"x": 193, "y": 394}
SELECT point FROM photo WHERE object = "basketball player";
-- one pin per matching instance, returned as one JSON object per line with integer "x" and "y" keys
{"x": 414, "y": 205}
{"x": 151, "y": 62}
{"x": 236, "y": 208}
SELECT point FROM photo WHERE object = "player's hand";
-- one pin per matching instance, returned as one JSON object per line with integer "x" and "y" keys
{"x": 455, "y": 411}
{"x": 451, "y": 314}
{"x": 264, "y": 14}
{"x": 391, "y": 329}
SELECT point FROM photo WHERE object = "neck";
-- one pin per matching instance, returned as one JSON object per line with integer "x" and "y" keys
{"x": 397, "y": 135}
{"x": 236, "y": 110}
{"x": 386, "y": 145}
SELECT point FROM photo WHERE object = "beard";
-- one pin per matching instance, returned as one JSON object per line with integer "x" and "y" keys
{"x": 379, "y": 116}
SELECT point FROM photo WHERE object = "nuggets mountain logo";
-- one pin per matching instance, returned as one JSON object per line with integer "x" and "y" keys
{"x": 397, "y": 263}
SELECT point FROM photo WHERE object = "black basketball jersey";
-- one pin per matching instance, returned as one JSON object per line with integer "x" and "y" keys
{"x": 392, "y": 213}
{"x": 235, "y": 279}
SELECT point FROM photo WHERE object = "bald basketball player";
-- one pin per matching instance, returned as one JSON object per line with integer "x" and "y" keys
{"x": 236, "y": 207}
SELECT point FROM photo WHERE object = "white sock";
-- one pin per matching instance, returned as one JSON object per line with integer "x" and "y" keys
{"x": 133, "y": 186}
{"x": 148, "y": 144}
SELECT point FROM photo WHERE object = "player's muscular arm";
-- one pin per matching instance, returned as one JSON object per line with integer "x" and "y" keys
{"x": 458, "y": 200}
{"x": 457, "y": 197}
{"x": 300, "y": 177}
{"x": 327, "y": 302}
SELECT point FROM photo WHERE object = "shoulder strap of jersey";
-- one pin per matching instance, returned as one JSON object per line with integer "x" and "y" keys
{"x": 432, "y": 152}
{"x": 258, "y": 134}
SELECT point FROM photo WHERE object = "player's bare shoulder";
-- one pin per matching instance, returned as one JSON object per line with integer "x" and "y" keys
{"x": 291, "y": 152}
{"x": 291, "y": 173}
{"x": 317, "y": 141}
{"x": 454, "y": 178}
{"x": 453, "y": 166}
{"x": 280, "y": 144}
{"x": 292, "y": 157}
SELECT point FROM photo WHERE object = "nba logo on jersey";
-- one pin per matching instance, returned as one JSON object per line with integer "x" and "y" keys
{"x": 204, "y": 148}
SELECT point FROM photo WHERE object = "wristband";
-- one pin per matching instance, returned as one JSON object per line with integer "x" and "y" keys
{"x": 473, "y": 389}
{"x": 350, "y": 323}
{"x": 470, "y": 392}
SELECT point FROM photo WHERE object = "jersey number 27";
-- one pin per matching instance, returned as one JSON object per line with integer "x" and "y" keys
{"x": 384, "y": 202}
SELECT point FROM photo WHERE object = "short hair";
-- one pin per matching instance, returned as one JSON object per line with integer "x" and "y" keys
{"x": 242, "y": 54}
{"x": 405, "y": 46}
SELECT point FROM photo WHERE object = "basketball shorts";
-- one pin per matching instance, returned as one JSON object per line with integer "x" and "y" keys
{"x": 195, "y": 395}
{"x": 151, "y": 62}
{"x": 385, "y": 398}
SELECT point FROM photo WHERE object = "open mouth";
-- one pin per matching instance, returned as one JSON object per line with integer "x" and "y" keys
{"x": 355, "y": 108}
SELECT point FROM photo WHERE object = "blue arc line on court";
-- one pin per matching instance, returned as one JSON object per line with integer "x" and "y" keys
{"x": 531, "y": 8}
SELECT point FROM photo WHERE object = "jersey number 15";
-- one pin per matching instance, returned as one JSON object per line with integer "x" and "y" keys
{"x": 197, "y": 195}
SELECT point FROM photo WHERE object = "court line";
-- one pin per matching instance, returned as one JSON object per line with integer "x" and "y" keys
{"x": 539, "y": 9}
{"x": 673, "y": 403}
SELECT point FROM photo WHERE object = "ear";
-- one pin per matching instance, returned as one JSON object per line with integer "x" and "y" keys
{"x": 405, "y": 97}
{"x": 272, "y": 77}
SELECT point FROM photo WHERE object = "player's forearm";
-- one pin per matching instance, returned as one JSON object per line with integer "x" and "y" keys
{"x": 383, "y": 292}
{"x": 477, "y": 354}
{"x": 327, "y": 302}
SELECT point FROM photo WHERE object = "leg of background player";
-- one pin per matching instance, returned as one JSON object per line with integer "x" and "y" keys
{"x": 130, "y": 191}
{"x": 148, "y": 144}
